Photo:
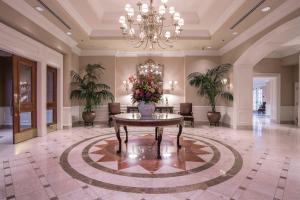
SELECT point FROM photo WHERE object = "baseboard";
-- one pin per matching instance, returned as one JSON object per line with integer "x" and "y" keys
{"x": 245, "y": 127}
{"x": 6, "y": 126}
{"x": 287, "y": 122}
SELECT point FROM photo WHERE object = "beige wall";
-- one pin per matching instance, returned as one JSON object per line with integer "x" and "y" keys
{"x": 119, "y": 69}
{"x": 108, "y": 62}
{"x": 272, "y": 65}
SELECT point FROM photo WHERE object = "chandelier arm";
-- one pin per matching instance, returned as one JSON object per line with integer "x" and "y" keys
{"x": 139, "y": 44}
{"x": 158, "y": 43}
{"x": 146, "y": 43}
{"x": 167, "y": 43}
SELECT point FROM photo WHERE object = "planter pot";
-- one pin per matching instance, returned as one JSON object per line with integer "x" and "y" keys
{"x": 214, "y": 118}
{"x": 88, "y": 117}
{"x": 146, "y": 109}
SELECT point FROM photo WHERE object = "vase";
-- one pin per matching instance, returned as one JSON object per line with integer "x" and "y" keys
{"x": 146, "y": 109}
{"x": 214, "y": 118}
{"x": 88, "y": 117}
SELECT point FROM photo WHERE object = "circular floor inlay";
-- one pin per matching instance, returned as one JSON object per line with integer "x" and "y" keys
{"x": 140, "y": 152}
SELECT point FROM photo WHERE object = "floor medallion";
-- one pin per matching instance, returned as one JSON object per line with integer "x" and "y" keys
{"x": 136, "y": 169}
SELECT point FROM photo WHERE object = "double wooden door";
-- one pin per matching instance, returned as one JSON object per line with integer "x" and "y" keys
{"x": 24, "y": 99}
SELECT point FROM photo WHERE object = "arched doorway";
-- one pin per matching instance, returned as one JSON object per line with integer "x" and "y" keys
{"x": 243, "y": 69}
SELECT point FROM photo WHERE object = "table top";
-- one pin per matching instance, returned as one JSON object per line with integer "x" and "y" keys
{"x": 156, "y": 118}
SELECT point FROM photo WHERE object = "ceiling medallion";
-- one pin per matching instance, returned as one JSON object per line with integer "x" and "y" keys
{"x": 148, "y": 28}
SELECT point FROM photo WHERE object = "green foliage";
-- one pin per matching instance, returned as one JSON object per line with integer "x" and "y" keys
{"x": 210, "y": 84}
{"x": 88, "y": 88}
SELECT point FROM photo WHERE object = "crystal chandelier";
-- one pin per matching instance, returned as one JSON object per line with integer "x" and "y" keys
{"x": 146, "y": 27}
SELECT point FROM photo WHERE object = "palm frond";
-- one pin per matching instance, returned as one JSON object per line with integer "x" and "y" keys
{"x": 227, "y": 95}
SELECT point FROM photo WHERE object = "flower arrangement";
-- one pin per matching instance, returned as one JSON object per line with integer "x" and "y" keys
{"x": 146, "y": 88}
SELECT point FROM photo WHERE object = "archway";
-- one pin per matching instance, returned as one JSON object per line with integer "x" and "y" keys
{"x": 243, "y": 69}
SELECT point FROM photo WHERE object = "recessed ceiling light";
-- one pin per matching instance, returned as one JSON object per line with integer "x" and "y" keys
{"x": 69, "y": 33}
{"x": 209, "y": 47}
{"x": 39, "y": 8}
{"x": 266, "y": 9}
{"x": 235, "y": 33}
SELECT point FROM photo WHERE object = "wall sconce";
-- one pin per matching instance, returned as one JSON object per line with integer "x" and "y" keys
{"x": 173, "y": 84}
{"x": 225, "y": 82}
{"x": 126, "y": 85}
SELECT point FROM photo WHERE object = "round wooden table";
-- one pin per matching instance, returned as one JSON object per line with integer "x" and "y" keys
{"x": 158, "y": 120}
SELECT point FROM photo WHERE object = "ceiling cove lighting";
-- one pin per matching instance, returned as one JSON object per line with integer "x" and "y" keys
{"x": 149, "y": 27}
{"x": 266, "y": 9}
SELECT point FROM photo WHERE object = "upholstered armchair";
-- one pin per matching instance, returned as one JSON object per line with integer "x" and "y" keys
{"x": 186, "y": 110}
{"x": 113, "y": 109}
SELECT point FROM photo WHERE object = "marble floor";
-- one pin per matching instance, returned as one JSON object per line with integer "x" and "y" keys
{"x": 213, "y": 164}
{"x": 6, "y": 136}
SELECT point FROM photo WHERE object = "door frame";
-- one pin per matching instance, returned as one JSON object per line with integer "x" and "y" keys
{"x": 52, "y": 105}
{"x": 277, "y": 91}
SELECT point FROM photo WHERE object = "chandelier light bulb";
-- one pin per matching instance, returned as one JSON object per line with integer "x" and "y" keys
{"x": 158, "y": 19}
{"x": 124, "y": 25}
{"x": 122, "y": 19}
{"x": 172, "y": 10}
{"x": 138, "y": 18}
{"x": 181, "y": 22}
{"x": 176, "y": 16}
{"x": 168, "y": 34}
{"x": 131, "y": 12}
{"x": 145, "y": 8}
{"x": 164, "y": 1}
{"x": 162, "y": 10}
{"x": 127, "y": 7}
{"x": 142, "y": 36}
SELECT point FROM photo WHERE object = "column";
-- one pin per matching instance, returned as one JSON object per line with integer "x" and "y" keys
{"x": 242, "y": 91}
{"x": 67, "y": 108}
{"x": 42, "y": 99}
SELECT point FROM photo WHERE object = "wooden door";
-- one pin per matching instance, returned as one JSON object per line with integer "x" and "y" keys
{"x": 51, "y": 99}
{"x": 24, "y": 99}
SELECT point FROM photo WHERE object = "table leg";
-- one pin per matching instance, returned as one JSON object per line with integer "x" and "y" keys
{"x": 117, "y": 130}
{"x": 156, "y": 130}
{"x": 159, "y": 138}
{"x": 126, "y": 131}
{"x": 178, "y": 136}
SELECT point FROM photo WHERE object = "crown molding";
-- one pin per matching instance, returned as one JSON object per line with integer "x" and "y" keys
{"x": 280, "y": 12}
{"x": 27, "y": 11}
{"x": 149, "y": 53}
{"x": 76, "y": 50}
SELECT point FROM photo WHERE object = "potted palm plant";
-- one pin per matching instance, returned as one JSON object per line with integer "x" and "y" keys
{"x": 210, "y": 85}
{"x": 88, "y": 89}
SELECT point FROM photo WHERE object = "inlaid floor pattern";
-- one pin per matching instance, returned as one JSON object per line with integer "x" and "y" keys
{"x": 213, "y": 163}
